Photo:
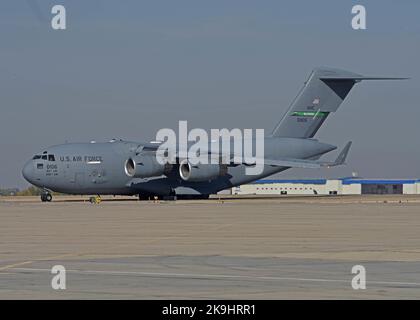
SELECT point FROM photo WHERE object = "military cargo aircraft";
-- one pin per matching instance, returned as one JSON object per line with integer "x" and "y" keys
{"x": 122, "y": 167}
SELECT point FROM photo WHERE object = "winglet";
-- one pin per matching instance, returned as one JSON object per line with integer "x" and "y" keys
{"x": 343, "y": 155}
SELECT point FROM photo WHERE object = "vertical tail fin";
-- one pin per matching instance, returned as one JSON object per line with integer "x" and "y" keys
{"x": 321, "y": 94}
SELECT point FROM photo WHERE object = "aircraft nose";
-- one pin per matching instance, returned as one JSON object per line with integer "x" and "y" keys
{"x": 28, "y": 171}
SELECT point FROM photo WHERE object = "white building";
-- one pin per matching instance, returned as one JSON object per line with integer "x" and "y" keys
{"x": 334, "y": 186}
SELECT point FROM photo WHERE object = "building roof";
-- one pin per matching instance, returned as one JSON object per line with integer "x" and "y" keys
{"x": 344, "y": 181}
{"x": 378, "y": 181}
{"x": 304, "y": 181}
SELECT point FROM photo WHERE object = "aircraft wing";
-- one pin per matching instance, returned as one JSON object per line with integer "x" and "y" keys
{"x": 285, "y": 162}
{"x": 309, "y": 164}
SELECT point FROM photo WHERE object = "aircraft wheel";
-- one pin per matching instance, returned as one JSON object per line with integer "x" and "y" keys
{"x": 46, "y": 197}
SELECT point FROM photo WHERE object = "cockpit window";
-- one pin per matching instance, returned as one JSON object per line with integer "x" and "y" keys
{"x": 49, "y": 157}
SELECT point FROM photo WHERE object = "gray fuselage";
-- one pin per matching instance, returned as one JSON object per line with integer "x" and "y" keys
{"x": 98, "y": 168}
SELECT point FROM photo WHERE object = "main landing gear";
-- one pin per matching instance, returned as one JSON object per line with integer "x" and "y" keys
{"x": 46, "y": 196}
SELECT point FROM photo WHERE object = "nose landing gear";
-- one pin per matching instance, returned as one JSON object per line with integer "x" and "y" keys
{"x": 46, "y": 196}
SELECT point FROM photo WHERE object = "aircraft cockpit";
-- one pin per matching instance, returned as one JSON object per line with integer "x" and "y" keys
{"x": 44, "y": 156}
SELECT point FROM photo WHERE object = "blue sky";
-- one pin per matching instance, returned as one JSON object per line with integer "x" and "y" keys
{"x": 128, "y": 68}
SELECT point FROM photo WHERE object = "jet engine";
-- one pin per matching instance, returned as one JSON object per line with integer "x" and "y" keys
{"x": 201, "y": 172}
{"x": 144, "y": 166}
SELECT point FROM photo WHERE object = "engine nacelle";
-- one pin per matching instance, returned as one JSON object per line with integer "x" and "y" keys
{"x": 201, "y": 172}
{"x": 144, "y": 166}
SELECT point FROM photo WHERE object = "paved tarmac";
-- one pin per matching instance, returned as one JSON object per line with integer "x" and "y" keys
{"x": 245, "y": 248}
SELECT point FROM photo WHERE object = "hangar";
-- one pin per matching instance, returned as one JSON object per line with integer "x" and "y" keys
{"x": 330, "y": 186}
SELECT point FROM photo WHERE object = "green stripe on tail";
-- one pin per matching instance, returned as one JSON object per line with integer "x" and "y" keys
{"x": 312, "y": 114}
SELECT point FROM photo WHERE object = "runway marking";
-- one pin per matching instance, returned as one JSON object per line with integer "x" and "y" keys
{"x": 216, "y": 276}
{"x": 87, "y": 253}
{"x": 11, "y": 266}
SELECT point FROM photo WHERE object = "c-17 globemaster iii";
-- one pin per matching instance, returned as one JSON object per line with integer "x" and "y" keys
{"x": 122, "y": 167}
